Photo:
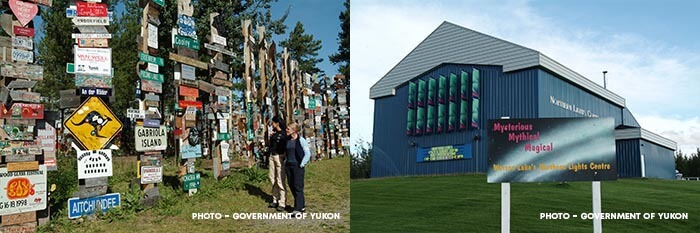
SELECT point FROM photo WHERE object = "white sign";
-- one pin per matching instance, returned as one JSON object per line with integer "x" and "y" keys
{"x": 47, "y": 138}
{"x": 188, "y": 72}
{"x": 152, "y": 36}
{"x": 91, "y": 36}
{"x": 135, "y": 113}
{"x": 22, "y": 191}
{"x": 150, "y": 139}
{"x": 94, "y": 163}
{"x": 219, "y": 40}
{"x": 345, "y": 141}
{"x": 223, "y": 126}
{"x": 23, "y": 42}
{"x": 190, "y": 113}
{"x": 94, "y": 61}
{"x": 104, "y": 21}
{"x": 152, "y": 68}
{"x": 224, "y": 152}
{"x": 22, "y": 55}
{"x": 93, "y": 29}
{"x": 151, "y": 174}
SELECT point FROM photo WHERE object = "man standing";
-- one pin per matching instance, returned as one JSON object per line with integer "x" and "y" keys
{"x": 277, "y": 149}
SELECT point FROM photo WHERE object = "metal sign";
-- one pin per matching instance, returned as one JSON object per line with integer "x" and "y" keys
{"x": 22, "y": 55}
{"x": 151, "y": 76}
{"x": 23, "y": 42}
{"x": 24, "y": 11}
{"x": 94, "y": 163}
{"x": 22, "y": 191}
{"x": 186, "y": 26}
{"x": 191, "y": 181}
{"x": 190, "y": 151}
{"x": 94, "y": 91}
{"x": 95, "y": 61}
{"x": 135, "y": 113}
{"x": 93, "y": 124}
{"x": 91, "y": 9}
{"x": 151, "y": 174}
{"x": 152, "y": 86}
{"x": 150, "y": 139}
{"x": 79, "y": 207}
{"x": 93, "y": 81}
{"x": 186, "y": 42}
{"x": 188, "y": 72}
{"x": 152, "y": 36}
{"x": 151, "y": 59}
{"x": 71, "y": 12}
{"x": 104, "y": 21}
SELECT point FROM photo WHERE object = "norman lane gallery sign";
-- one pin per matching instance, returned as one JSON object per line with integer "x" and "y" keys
{"x": 551, "y": 149}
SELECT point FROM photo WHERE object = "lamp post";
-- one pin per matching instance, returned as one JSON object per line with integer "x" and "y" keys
{"x": 605, "y": 82}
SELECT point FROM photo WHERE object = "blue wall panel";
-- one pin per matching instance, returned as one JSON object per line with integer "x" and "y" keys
{"x": 628, "y": 164}
{"x": 659, "y": 162}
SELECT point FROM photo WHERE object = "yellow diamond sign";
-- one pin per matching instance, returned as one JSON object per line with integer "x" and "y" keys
{"x": 93, "y": 124}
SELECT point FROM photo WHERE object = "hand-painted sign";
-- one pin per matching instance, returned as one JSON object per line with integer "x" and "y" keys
{"x": 151, "y": 76}
{"x": 94, "y": 163}
{"x": 25, "y": 96}
{"x": 22, "y": 191}
{"x": 47, "y": 138}
{"x": 22, "y": 110}
{"x": 93, "y": 81}
{"x": 93, "y": 124}
{"x": 21, "y": 84}
{"x": 536, "y": 150}
{"x": 186, "y": 42}
{"x": 150, "y": 139}
{"x": 93, "y": 61}
{"x": 189, "y": 91}
{"x": 22, "y": 31}
{"x": 189, "y": 61}
{"x": 191, "y": 181}
{"x": 186, "y": 26}
{"x": 24, "y": 11}
{"x": 190, "y": 150}
{"x": 152, "y": 86}
{"x": 104, "y": 21}
{"x": 79, "y": 207}
{"x": 94, "y": 91}
{"x": 152, "y": 36}
{"x": 22, "y": 55}
{"x": 93, "y": 43}
{"x": 151, "y": 174}
{"x": 91, "y": 9}
{"x": 151, "y": 59}
{"x": 31, "y": 72}
{"x": 23, "y": 42}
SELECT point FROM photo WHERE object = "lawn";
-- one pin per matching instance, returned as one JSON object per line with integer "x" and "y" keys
{"x": 466, "y": 203}
{"x": 245, "y": 191}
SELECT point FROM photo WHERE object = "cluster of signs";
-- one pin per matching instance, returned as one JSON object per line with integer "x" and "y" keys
{"x": 92, "y": 124}
{"x": 23, "y": 185}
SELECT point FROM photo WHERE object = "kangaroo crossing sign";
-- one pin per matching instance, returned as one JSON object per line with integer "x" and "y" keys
{"x": 93, "y": 124}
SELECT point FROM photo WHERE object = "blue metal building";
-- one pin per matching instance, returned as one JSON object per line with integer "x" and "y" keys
{"x": 463, "y": 78}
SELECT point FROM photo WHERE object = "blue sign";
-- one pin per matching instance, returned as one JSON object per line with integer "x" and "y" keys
{"x": 186, "y": 26}
{"x": 86, "y": 206}
{"x": 189, "y": 151}
{"x": 151, "y": 123}
{"x": 71, "y": 13}
{"x": 439, "y": 153}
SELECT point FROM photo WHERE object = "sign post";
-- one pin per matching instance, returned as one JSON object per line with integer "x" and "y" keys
{"x": 597, "y": 222}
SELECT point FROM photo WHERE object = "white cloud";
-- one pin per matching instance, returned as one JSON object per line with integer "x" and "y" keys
{"x": 658, "y": 80}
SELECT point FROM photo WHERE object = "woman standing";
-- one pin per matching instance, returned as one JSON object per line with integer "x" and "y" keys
{"x": 298, "y": 156}
{"x": 278, "y": 143}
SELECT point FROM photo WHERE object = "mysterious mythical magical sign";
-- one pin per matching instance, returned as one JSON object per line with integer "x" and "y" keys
{"x": 93, "y": 124}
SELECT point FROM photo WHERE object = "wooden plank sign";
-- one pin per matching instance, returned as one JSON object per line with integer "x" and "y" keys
{"x": 4, "y": 94}
{"x": 14, "y": 219}
{"x": 23, "y": 191}
{"x": 20, "y": 84}
{"x": 22, "y": 31}
{"x": 22, "y": 55}
{"x": 206, "y": 87}
{"x": 94, "y": 163}
{"x": 85, "y": 192}
{"x": 31, "y": 72}
{"x": 222, "y": 82}
{"x": 93, "y": 43}
{"x": 22, "y": 110}
{"x": 151, "y": 86}
{"x": 189, "y": 91}
{"x": 218, "y": 48}
{"x": 95, "y": 182}
{"x": 150, "y": 139}
{"x": 43, "y": 2}
{"x": 22, "y": 228}
{"x": 92, "y": 29}
{"x": 223, "y": 67}
{"x": 22, "y": 166}
{"x": 25, "y": 96}
{"x": 24, "y": 11}
{"x": 23, "y": 42}
{"x": 189, "y": 61}
{"x": 91, "y": 9}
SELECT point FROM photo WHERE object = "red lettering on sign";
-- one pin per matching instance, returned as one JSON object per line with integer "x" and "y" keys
{"x": 19, "y": 188}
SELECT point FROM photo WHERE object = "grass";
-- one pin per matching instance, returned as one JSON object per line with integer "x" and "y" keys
{"x": 466, "y": 203}
{"x": 327, "y": 185}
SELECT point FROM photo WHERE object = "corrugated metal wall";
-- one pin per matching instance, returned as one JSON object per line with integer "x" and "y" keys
{"x": 627, "y": 153}
{"x": 658, "y": 161}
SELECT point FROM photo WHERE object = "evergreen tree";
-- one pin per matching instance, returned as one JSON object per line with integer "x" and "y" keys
{"x": 303, "y": 48}
{"x": 343, "y": 55}
{"x": 55, "y": 50}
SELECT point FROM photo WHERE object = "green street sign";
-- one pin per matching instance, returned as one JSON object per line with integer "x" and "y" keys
{"x": 191, "y": 181}
{"x": 223, "y": 136}
{"x": 159, "y": 2}
{"x": 151, "y": 76}
{"x": 186, "y": 42}
{"x": 151, "y": 59}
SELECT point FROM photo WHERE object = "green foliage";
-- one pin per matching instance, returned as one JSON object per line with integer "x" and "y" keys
{"x": 688, "y": 165}
{"x": 55, "y": 50}
{"x": 361, "y": 161}
{"x": 343, "y": 55}
{"x": 65, "y": 179}
{"x": 255, "y": 175}
{"x": 303, "y": 48}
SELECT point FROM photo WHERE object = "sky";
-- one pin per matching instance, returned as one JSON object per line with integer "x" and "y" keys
{"x": 649, "y": 48}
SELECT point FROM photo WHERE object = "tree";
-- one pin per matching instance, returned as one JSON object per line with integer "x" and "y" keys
{"x": 361, "y": 162}
{"x": 55, "y": 50}
{"x": 343, "y": 55}
{"x": 303, "y": 48}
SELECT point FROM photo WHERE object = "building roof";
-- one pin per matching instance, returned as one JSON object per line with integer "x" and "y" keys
{"x": 636, "y": 133}
{"x": 450, "y": 43}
